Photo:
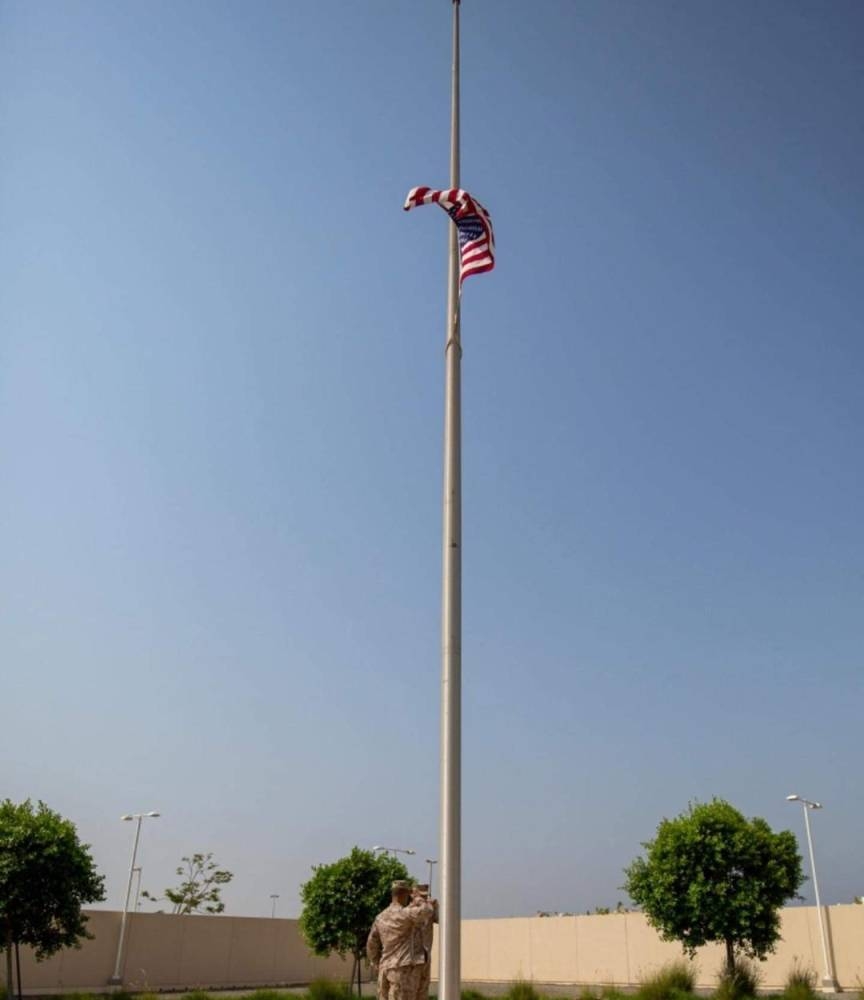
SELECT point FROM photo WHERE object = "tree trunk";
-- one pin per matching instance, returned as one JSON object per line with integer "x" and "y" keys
{"x": 730, "y": 957}
{"x": 358, "y": 969}
{"x": 9, "y": 984}
{"x": 18, "y": 971}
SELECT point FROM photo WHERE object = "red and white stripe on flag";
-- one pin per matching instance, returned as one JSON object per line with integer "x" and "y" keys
{"x": 476, "y": 238}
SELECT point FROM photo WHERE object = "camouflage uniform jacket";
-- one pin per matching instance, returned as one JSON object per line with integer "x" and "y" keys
{"x": 392, "y": 942}
{"x": 425, "y": 935}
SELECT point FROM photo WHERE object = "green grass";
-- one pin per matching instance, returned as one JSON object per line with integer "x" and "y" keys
{"x": 327, "y": 989}
{"x": 471, "y": 995}
{"x": 671, "y": 982}
{"x": 522, "y": 990}
{"x": 90, "y": 996}
{"x": 612, "y": 993}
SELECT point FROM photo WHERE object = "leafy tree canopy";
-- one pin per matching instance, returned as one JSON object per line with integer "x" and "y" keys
{"x": 342, "y": 899}
{"x": 201, "y": 888}
{"x": 713, "y": 875}
{"x": 46, "y": 876}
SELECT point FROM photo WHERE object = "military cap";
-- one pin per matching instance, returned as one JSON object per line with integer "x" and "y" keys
{"x": 400, "y": 885}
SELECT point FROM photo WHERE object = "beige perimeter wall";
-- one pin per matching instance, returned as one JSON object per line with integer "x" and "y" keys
{"x": 169, "y": 952}
{"x": 619, "y": 949}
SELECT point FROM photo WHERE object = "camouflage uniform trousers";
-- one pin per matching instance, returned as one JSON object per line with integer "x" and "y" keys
{"x": 383, "y": 986}
{"x": 423, "y": 982}
{"x": 403, "y": 982}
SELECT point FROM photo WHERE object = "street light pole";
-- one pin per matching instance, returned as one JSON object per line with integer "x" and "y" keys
{"x": 274, "y": 896}
{"x": 117, "y": 979}
{"x": 137, "y": 888}
{"x": 829, "y": 983}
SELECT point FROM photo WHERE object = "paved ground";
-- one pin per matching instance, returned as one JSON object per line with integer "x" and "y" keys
{"x": 572, "y": 992}
{"x": 487, "y": 989}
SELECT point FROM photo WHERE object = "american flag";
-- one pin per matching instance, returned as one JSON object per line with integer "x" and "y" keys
{"x": 476, "y": 239}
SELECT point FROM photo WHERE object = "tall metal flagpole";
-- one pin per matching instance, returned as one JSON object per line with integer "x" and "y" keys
{"x": 449, "y": 987}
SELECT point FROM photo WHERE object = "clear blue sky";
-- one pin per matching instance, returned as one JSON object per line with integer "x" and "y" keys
{"x": 221, "y": 382}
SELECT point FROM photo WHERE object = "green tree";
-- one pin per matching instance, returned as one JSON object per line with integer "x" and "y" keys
{"x": 201, "y": 888}
{"x": 604, "y": 911}
{"x": 342, "y": 899}
{"x": 713, "y": 875}
{"x": 46, "y": 876}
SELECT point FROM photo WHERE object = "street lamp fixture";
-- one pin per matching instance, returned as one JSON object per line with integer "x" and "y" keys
{"x": 829, "y": 983}
{"x": 274, "y": 896}
{"x": 392, "y": 850}
{"x": 117, "y": 979}
{"x": 431, "y": 862}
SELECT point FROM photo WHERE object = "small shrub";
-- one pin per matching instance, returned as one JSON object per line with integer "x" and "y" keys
{"x": 472, "y": 995}
{"x": 669, "y": 982}
{"x": 800, "y": 983}
{"x": 798, "y": 991}
{"x": 522, "y": 990}
{"x": 197, "y": 995}
{"x": 738, "y": 983}
{"x": 587, "y": 994}
{"x": 262, "y": 995}
{"x": 326, "y": 989}
{"x": 611, "y": 993}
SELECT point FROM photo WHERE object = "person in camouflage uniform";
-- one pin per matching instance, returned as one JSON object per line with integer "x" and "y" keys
{"x": 392, "y": 946}
{"x": 424, "y": 936}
